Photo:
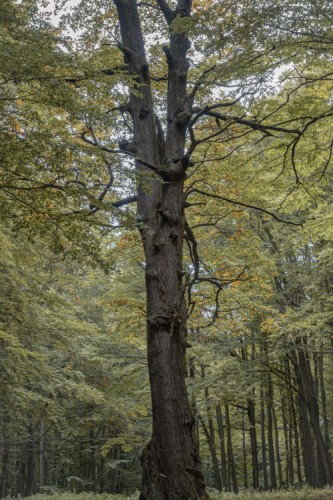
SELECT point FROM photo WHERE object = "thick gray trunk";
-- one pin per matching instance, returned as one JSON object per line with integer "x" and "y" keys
{"x": 171, "y": 468}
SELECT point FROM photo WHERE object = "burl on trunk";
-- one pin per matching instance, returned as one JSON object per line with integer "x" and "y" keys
{"x": 171, "y": 466}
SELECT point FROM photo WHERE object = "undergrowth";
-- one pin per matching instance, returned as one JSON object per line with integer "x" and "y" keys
{"x": 295, "y": 494}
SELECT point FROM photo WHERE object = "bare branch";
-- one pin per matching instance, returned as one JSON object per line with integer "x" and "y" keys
{"x": 125, "y": 201}
{"x": 235, "y": 202}
{"x": 242, "y": 121}
{"x": 166, "y": 10}
{"x": 120, "y": 151}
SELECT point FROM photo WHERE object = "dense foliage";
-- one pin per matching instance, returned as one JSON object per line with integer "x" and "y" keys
{"x": 75, "y": 408}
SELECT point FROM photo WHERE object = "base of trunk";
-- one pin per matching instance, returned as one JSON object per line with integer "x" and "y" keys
{"x": 189, "y": 483}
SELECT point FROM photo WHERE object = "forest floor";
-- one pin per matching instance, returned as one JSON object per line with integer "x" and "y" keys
{"x": 299, "y": 494}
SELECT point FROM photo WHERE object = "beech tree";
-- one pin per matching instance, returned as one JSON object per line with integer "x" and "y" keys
{"x": 170, "y": 461}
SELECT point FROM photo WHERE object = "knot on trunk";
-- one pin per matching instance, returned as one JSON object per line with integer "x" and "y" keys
{"x": 144, "y": 112}
{"x": 183, "y": 117}
{"x": 173, "y": 172}
{"x": 125, "y": 145}
{"x": 172, "y": 217}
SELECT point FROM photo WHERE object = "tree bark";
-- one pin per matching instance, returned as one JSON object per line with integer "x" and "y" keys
{"x": 277, "y": 447}
{"x": 42, "y": 481}
{"x": 324, "y": 402}
{"x": 4, "y": 459}
{"x": 210, "y": 436}
{"x": 30, "y": 464}
{"x": 224, "y": 475}
{"x": 325, "y": 468}
{"x": 231, "y": 459}
{"x": 263, "y": 437}
{"x": 253, "y": 439}
{"x": 308, "y": 451}
{"x": 246, "y": 485}
{"x": 270, "y": 439}
{"x": 171, "y": 466}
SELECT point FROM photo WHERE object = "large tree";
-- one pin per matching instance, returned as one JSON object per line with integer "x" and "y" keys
{"x": 171, "y": 460}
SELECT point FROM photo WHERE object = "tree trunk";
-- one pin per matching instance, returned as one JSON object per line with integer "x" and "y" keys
{"x": 293, "y": 426}
{"x": 4, "y": 459}
{"x": 224, "y": 475}
{"x": 246, "y": 485}
{"x": 263, "y": 437}
{"x": 171, "y": 466}
{"x": 211, "y": 443}
{"x": 286, "y": 434}
{"x": 270, "y": 439}
{"x": 29, "y": 486}
{"x": 324, "y": 401}
{"x": 308, "y": 451}
{"x": 231, "y": 459}
{"x": 210, "y": 436}
{"x": 42, "y": 481}
{"x": 253, "y": 439}
{"x": 277, "y": 447}
{"x": 324, "y": 468}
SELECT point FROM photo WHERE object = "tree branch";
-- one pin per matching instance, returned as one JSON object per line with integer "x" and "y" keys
{"x": 208, "y": 111}
{"x": 247, "y": 205}
{"x": 125, "y": 201}
{"x": 166, "y": 10}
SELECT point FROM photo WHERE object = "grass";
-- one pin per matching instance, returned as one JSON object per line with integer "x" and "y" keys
{"x": 297, "y": 494}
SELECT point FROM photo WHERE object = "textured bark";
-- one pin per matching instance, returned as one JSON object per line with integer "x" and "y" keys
{"x": 4, "y": 460}
{"x": 220, "y": 426}
{"x": 277, "y": 447}
{"x": 171, "y": 467}
{"x": 230, "y": 451}
{"x": 289, "y": 470}
{"x": 254, "y": 444}
{"x": 324, "y": 465}
{"x": 29, "y": 486}
{"x": 210, "y": 436}
{"x": 306, "y": 438}
{"x": 324, "y": 402}
{"x": 244, "y": 455}
{"x": 42, "y": 480}
{"x": 294, "y": 426}
{"x": 263, "y": 437}
{"x": 270, "y": 439}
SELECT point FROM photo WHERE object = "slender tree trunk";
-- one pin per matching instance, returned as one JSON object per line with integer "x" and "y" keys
{"x": 286, "y": 427}
{"x": 4, "y": 459}
{"x": 308, "y": 449}
{"x": 325, "y": 464}
{"x": 263, "y": 437}
{"x": 231, "y": 459}
{"x": 253, "y": 439}
{"x": 42, "y": 455}
{"x": 277, "y": 447}
{"x": 22, "y": 470}
{"x": 220, "y": 426}
{"x": 324, "y": 402}
{"x": 210, "y": 435}
{"x": 92, "y": 460}
{"x": 30, "y": 464}
{"x": 212, "y": 448}
{"x": 270, "y": 439}
{"x": 171, "y": 466}
{"x": 246, "y": 485}
{"x": 294, "y": 426}
{"x": 115, "y": 455}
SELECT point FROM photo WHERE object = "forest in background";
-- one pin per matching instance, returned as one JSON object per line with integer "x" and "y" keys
{"x": 75, "y": 411}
